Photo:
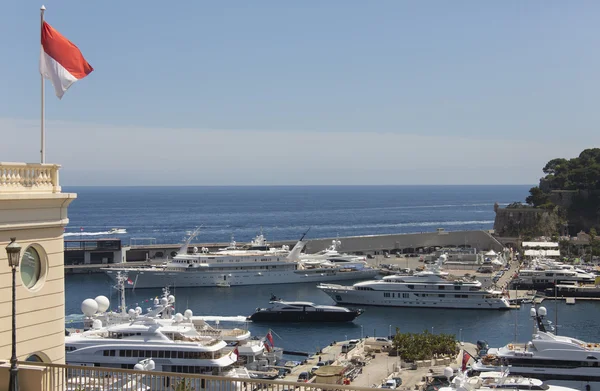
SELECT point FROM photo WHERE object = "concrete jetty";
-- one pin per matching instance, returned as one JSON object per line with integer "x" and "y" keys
{"x": 375, "y": 367}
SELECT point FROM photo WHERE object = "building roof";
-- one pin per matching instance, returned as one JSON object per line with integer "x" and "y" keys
{"x": 542, "y": 253}
{"x": 541, "y": 244}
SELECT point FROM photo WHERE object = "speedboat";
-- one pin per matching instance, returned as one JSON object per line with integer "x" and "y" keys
{"x": 117, "y": 231}
{"x": 303, "y": 311}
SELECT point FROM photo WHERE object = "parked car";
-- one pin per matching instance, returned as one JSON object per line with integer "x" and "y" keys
{"x": 389, "y": 384}
{"x": 303, "y": 377}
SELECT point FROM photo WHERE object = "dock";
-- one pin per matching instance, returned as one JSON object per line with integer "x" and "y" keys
{"x": 372, "y": 368}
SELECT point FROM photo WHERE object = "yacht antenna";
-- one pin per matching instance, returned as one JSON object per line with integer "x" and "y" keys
{"x": 304, "y": 234}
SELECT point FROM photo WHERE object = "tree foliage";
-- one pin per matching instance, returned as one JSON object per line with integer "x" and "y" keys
{"x": 423, "y": 346}
{"x": 580, "y": 173}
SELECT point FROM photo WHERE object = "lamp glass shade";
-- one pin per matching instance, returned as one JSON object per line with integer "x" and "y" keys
{"x": 13, "y": 251}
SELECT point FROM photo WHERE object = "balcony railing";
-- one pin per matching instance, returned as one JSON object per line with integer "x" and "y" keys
{"x": 29, "y": 177}
{"x": 58, "y": 377}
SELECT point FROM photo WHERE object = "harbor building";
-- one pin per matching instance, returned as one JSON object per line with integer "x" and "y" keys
{"x": 33, "y": 209}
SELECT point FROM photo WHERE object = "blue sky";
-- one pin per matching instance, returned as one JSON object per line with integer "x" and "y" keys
{"x": 307, "y": 92}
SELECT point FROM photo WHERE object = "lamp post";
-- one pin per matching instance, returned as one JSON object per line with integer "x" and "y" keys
{"x": 361, "y": 332}
{"x": 13, "y": 250}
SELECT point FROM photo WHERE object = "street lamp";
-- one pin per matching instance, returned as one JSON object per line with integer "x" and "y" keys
{"x": 13, "y": 250}
{"x": 361, "y": 332}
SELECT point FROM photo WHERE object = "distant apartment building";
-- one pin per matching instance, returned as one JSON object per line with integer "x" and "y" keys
{"x": 34, "y": 211}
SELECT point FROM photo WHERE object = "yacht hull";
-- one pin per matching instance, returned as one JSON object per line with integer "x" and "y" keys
{"x": 303, "y": 316}
{"x": 157, "y": 278}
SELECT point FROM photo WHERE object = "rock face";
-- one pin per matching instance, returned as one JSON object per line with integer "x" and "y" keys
{"x": 522, "y": 220}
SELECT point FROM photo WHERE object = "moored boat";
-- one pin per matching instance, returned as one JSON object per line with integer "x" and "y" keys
{"x": 303, "y": 311}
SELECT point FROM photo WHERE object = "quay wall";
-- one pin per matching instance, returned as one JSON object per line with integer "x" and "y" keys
{"x": 369, "y": 244}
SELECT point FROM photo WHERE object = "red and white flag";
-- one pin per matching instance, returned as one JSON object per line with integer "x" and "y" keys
{"x": 236, "y": 352}
{"x": 465, "y": 360}
{"x": 61, "y": 61}
{"x": 270, "y": 338}
{"x": 129, "y": 281}
{"x": 267, "y": 347}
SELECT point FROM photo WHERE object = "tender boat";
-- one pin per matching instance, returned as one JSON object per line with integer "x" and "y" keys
{"x": 117, "y": 231}
{"x": 303, "y": 311}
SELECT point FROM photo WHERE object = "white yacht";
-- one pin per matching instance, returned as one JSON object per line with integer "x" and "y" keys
{"x": 252, "y": 353}
{"x": 256, "y": 265}
{"x": 495, "y": 381}
{"x": 546, "y": 275}
{"x": 557, "y": 360}
{"x": 175, "y": 346}
{"x": 429, "y": 288}
{"x": 332, "y": 256}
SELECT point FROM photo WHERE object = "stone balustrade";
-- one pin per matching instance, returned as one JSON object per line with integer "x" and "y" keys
{"x": 29, "y": 178}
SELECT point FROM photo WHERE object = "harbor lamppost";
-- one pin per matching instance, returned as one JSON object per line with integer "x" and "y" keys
{"x": 13, "y": 250}
{"x": 361, "y": 332}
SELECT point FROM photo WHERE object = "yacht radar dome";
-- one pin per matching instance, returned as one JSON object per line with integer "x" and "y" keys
{"x": 188, "y": 314}
{"x": 448, "y": 372}
{"x": 138, "y": 310}
{"x": 178, "y": 317}
{"x": 103, "y": 303}
{"x": 97, "y": 324}
{"x": 542, "y": 311}
{"x": 164, "y": 301}
{"x": 171, "y": 299}
{"x": 89, "y": 307}
{"x": 131, "y": 313}
{"x": 532, "y": 312}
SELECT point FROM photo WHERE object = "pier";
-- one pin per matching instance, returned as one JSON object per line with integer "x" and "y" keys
{"x": 88, "y": 255}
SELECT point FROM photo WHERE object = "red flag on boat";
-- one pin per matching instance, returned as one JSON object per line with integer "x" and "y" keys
{"x": 267, "y": 348}
{"x": 270, "y": 338}
{"x": 465, "y": 360}
{"x": 236, "y": 352}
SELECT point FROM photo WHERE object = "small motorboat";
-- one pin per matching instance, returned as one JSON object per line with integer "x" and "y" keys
{"x": 117, "y": 231}
{"x": 223, "y": 284}
{"x": 303, "y": 311}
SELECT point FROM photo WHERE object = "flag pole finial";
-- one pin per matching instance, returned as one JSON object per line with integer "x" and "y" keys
{"x": 43, "y": 8}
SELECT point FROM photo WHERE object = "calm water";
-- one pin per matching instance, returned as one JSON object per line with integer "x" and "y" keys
{"x": 284, "y": 213}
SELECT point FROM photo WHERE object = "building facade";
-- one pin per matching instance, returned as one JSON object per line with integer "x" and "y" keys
{"x": 34, "y": 211}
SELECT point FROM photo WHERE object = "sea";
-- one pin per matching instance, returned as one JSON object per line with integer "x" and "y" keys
{"x": 167, "y": 214}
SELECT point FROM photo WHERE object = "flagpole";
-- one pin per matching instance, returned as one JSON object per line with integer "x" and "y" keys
{"x": 43, "y": 128}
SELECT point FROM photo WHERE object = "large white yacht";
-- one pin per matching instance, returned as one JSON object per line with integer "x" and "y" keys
{"x": 252, "y": 353}
{"x": 558, "y": 360}
{"x": 430, "y": 288}
{"x": 546, "y": 273}
{"x": 256, "y": 265}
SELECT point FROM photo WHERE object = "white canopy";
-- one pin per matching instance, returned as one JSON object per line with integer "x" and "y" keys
{"x": 541, "y": 244}
{"x": 491, "y": 253}
{"x": 542, "y": 253}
